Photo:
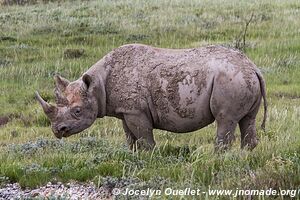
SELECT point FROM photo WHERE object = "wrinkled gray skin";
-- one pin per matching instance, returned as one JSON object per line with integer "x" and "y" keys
{"x": 175, "y": 90}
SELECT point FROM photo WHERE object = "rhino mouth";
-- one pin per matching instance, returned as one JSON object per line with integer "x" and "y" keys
{"x": 66, "y": 133}
{"x": 60, "y": 135}
{"x": 65, "y": 130}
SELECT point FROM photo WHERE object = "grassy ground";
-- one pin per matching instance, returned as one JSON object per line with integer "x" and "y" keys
{"x": 39, "y": 40}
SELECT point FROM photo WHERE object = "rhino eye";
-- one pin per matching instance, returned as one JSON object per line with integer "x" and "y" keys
{"x": 77, "y": 111}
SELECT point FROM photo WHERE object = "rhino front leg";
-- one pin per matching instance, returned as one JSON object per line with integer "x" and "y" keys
{"x": 130, "y": 138}
{"x": 139, "y": 131}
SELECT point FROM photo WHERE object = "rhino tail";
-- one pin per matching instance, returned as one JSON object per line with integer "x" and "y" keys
{"x": 263, "y": 93}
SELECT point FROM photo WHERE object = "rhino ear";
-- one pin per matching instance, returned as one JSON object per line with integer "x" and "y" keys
{"x": 87, "y": 80}
{"x": 61, "y": 83}
{"x": 95, "y": 86}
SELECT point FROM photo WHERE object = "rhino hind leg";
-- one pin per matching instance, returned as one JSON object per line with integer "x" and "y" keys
{"x": 225, "y": 133}
{"x": 139, "y": 131}
{"x": 248, "y": 127}
{"x": 248, "y": 133}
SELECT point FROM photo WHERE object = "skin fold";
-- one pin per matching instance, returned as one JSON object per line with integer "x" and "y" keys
{"x": 178, "y": 90}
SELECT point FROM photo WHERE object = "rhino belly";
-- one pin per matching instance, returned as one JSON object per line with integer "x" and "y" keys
{"x": 190, "y": 112}
{"x": 177, "y": 124}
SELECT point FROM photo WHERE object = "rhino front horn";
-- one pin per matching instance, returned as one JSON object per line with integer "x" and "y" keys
{"x": 49, "y": 109}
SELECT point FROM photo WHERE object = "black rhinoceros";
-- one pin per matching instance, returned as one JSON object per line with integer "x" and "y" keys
{"x": 178, "y": 90}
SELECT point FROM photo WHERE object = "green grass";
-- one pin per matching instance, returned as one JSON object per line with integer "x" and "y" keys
{"x": 34, "y": 40}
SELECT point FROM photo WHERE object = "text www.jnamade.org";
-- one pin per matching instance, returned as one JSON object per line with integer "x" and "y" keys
{"x": 211, "y": 192}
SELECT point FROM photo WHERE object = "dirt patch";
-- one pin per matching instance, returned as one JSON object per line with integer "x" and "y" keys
{"x": 7, "y": 38}
{"x": 74, "y": 53}
{"x": 4, "y": 120}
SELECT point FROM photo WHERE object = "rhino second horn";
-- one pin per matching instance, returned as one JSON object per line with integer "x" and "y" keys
{"x": 48, "y": 108}
{"x": 61, "y": 83}
{"x": 60, "y": 98}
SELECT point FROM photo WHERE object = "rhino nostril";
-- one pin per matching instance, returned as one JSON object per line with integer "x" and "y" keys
{"x": 63, "y": 129}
